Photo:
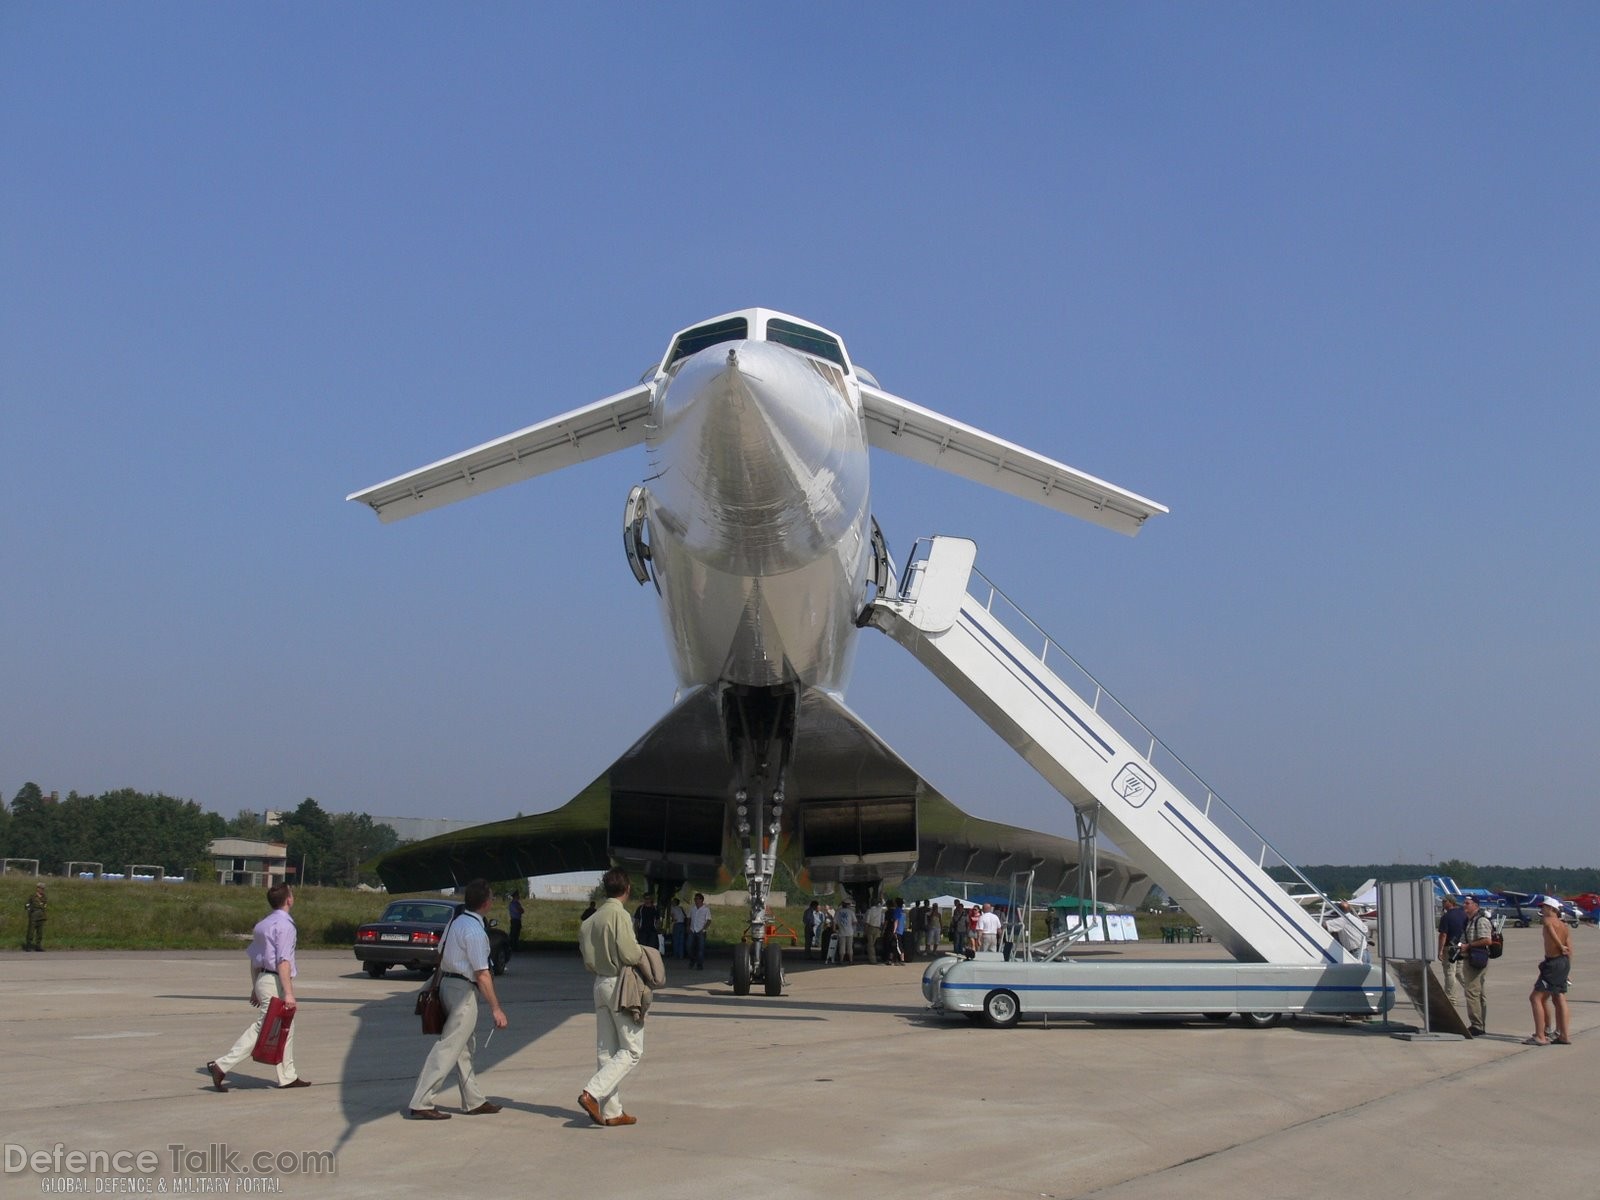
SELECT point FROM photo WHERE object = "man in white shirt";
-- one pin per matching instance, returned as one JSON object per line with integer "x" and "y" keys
{"x": 465, "y": 975}
{"x": 874, "y": 928}
{"x": 844, "y": 927}
{"x": 988, "y": 929}
{"x": 699, "y": 923}
{"x": 1350, "y": 930}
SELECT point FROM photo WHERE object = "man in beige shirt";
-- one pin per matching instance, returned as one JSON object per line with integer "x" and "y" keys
{"x": 609, "y": 947}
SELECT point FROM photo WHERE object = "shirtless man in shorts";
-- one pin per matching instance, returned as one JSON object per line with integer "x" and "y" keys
{"x": 1550, "y": 989}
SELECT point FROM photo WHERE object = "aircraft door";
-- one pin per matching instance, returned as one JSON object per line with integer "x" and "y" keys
{"x": 880, "y": 573}
{"x": 636, "y": 535}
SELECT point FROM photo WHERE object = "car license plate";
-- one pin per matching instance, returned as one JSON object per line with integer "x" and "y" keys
{"x": 394, "y": 937}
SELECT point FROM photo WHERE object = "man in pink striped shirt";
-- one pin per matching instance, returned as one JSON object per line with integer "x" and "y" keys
{"x": 272, "y": 973}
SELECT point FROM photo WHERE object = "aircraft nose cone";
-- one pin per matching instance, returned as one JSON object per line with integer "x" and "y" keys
{"x": 762, "y": 464}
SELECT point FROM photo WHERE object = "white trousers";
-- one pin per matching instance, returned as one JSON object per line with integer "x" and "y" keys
{"x": 618, "y": 1047}
{"x": 453, "y": 1050}
{"x": 267, "y": 986}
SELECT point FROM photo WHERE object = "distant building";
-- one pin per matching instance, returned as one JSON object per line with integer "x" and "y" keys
{"x": 249, "y": 863}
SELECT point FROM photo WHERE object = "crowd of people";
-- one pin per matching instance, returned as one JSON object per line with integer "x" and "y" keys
{"x": 679, "y": 932}
{"x": 893, "y": 932}
{"x": 888, "y": 931}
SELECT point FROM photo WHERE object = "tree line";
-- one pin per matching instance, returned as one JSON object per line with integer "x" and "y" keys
{"x": 123, "y": 827}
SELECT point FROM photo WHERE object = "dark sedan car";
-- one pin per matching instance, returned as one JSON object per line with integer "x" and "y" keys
{"x": 408, "y": 933}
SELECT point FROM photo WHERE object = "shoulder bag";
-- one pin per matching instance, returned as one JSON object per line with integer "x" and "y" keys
{"x": 430, "y": 1003}
{"x": 1478, "y": 956}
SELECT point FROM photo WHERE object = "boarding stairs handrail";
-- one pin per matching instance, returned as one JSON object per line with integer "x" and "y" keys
{"x": 1138, "y": 735}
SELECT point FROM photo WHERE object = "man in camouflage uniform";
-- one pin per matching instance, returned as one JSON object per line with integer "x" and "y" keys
{"x": 36, "y": 913}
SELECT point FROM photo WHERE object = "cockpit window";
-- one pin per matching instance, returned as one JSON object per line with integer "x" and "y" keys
{"x": 805, "y": 339}
{"x": 734, "y": 329}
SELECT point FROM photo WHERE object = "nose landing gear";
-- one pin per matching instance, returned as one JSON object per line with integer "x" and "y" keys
{"x": 761, "y": 731}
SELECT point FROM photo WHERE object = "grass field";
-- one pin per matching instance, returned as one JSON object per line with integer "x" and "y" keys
{"x": 119, "y": 915}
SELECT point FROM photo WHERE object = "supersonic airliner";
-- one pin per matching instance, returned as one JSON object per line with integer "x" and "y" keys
{"x": 755, "y": 526}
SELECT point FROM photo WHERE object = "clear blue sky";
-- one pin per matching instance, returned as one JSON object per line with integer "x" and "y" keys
{"x": 1321, "y": 279}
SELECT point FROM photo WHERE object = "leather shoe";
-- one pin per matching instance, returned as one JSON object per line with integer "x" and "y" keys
{"x": 219, "y": 1077}
{"x": 624, "y": 1119}
{"x": 591, "y": 1106}
{"x": 484, "y": 1109}
{"x": 295, "y": 1083}
{"x": 429, "y": 1114}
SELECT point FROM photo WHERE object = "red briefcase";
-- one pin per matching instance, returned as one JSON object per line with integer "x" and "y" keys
{"x": 274, "y": 1035}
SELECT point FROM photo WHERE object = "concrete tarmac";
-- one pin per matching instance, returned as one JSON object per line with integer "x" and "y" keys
{"x": 847, "y": 1085}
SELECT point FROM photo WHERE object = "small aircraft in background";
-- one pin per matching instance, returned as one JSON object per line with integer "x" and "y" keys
{"x": 1588, "y": 903}
{"x": 754, "y": 526}
{"x": 1523, "y": 907}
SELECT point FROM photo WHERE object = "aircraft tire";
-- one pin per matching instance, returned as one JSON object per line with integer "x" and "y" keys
{"x": 741, "y": 970}
{"x": 1001, "y": 1009}
{"x": 1260, "y": 1020}
{"x": 772, "y": 968}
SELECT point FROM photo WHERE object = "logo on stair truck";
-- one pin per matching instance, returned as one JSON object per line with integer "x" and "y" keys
{"x": 1134, "y": 785}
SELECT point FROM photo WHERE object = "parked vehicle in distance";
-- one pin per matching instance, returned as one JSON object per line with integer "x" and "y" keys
{"x": 408, "y": 935}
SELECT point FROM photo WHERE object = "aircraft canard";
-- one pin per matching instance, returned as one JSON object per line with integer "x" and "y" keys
{"x": 856, "y": 815}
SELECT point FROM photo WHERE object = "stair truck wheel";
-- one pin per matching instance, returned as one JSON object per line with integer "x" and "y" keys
{"x": 1001, "y": 1008}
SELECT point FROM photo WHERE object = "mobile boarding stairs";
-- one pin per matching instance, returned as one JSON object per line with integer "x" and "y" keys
{"x": 1104, "y": 761}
